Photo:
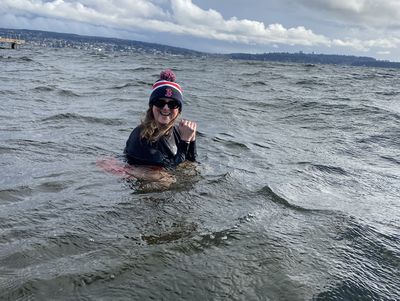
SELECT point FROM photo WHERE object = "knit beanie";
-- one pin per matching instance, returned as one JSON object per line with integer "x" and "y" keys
{"x": 166, "y": 87}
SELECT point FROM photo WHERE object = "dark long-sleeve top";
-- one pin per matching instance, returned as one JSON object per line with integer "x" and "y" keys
{"x": 168, "y": 151}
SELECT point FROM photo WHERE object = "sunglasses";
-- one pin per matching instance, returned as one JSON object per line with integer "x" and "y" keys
{"x": 172, "y": 104}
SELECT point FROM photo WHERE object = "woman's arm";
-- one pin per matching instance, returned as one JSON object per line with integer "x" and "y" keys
{"x": 192, "y": 151}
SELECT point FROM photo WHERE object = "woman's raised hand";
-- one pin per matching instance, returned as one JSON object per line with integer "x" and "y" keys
{"x": 187, "y": 129}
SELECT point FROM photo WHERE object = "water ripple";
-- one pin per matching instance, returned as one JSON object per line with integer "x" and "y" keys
{"x": 80, "y": 118}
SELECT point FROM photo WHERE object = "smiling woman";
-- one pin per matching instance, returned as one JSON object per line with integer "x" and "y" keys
{"x": 157, "y": 141}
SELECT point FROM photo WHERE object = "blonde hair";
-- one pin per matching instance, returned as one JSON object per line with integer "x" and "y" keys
{"x": 150, "y": 130}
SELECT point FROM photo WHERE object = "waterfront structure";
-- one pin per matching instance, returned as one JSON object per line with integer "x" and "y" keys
{"x": 13, "y": 42}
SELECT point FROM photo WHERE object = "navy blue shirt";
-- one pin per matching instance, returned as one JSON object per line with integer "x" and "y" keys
{"x": 168, "y": 151}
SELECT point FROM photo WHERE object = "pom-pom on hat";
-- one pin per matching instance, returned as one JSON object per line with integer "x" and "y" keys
{"x": 166, "y": 87}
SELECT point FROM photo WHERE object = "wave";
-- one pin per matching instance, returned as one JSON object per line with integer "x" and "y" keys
{"x": 255, "y": 83}
{"x": 385, "y": 112}
{"x": 391, "y": 159}
{"x": 261, "y": 145}
{"x": 326, "y": 168}
{"x": 7, "y": 150}
{"x": 26, "y": 59}
{"x": 368, "y": 250}
{"x": 8, "y": 92}
{"x": 310, "y": 82}
{"x": 15, "y": 194}
{"x": 231, "y": 144}
{"x": 386, "y": 75}
{"x": 16, "y": 59}
{"x": 120, "y": 87}
{"x": 349, "y": 289}
{"x": 80, "y": 118}
{"x": 54, "y": 186}
{"x": 178, "y": 232}
{"x": 44, "y": 88}
{"x": 297, "y": 105}
{"x": 131, "y": 84}
{"x": 33, "y": 144}
{"x": 275, "y": 198}
{"x": 391, "y": 138}
{"x": 373, "y": 111}
{"x": 138, "y": 69}
{"x": 388, "y": 93}
{"x": 255, "y": 73}
{"x": 68, "y": 93}
{"x": 119, "y": 99}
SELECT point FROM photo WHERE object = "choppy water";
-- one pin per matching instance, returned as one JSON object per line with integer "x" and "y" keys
{"x": 296, "y": 196}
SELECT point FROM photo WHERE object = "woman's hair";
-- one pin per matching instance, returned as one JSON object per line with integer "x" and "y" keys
{"x": 149, "y": 128}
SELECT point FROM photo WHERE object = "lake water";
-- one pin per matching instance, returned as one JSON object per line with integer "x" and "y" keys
{"x": 295, "y": 197}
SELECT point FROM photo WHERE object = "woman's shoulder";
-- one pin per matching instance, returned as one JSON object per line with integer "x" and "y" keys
{"x": 136, "y": 132}
{"x": 134, "y": 137}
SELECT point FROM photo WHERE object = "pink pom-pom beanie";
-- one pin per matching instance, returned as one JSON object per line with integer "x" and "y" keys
{"x": 166, "y": 87}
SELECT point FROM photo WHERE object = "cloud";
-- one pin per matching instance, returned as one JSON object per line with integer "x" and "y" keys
{"x": 383, "y": 52}
{"x": 211, "y": 24}
{"x": 365, "y": 45}
{"x": 183, "y": 17}
{"x": 365, "y": 13}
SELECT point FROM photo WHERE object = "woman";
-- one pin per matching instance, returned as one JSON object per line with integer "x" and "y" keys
{"x": 157, "y": 141}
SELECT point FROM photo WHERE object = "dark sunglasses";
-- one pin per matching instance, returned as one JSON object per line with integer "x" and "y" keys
{"x": 172, "y": 104}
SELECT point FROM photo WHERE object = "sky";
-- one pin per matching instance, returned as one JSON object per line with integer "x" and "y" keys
{"x": 350, "y": 27}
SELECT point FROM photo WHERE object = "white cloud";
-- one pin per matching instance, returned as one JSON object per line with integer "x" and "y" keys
{"x": 365, "y": 13}
{"x": 211, "y": 24}
{"x": 183, "y": 17}
{"x": 365, "y": 45}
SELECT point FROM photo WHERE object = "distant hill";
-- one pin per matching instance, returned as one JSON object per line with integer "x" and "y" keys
{"x": 64, "y": 40}
{"x": 61, "y": 40}
{"x": 312, "y": 58}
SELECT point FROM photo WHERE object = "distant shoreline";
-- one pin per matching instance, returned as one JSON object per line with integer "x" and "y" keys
{"x": 65, "y": 40}
{"x": 312, "y": 58}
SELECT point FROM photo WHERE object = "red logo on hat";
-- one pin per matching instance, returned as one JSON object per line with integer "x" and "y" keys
{"x": 168, "y": 92}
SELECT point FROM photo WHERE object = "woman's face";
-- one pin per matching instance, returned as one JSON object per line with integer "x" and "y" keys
{"x": 165, "y": 110}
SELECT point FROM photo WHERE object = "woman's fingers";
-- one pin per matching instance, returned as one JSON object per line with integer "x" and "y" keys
{"x": 190, "y": 124}
{"x": 187, "y": 129}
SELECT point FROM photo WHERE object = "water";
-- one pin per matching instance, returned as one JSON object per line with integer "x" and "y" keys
{"x": 296, "y": 196}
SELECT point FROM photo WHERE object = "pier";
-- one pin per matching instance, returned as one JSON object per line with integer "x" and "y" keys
{"x": 13, "y": 42}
